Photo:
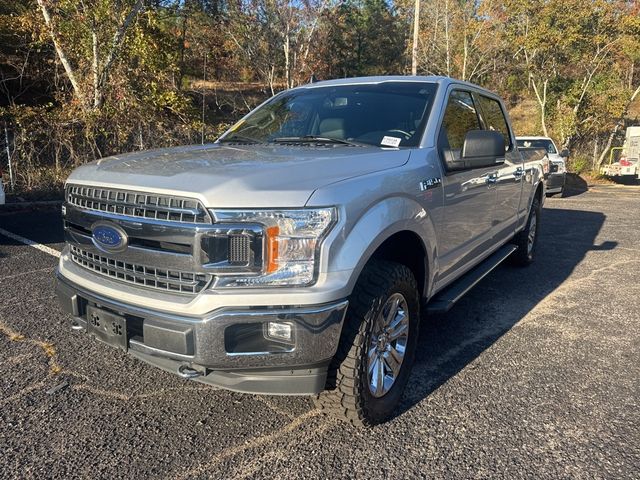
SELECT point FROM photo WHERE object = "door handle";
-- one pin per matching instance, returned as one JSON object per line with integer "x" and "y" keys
{"x": 518, "y": 174}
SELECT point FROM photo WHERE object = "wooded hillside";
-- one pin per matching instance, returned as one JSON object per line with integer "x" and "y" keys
{"x": 82, "y": 79}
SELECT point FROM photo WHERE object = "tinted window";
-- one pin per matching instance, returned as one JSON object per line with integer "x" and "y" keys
{"x": 459, "y": 117}
{"x": 537, "y": 143}
{"x": 384, "y": 114}
{"x": 494, "y": 118}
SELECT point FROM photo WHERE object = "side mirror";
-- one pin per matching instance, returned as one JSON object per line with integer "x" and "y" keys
{"x": 481, "y": 148}
{"x": 483, "y": 144}
{"x": 564, "y": 153}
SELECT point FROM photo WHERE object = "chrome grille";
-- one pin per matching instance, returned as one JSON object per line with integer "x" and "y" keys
{"x": 137, "y": 204}
{"x": 151, "y": 277}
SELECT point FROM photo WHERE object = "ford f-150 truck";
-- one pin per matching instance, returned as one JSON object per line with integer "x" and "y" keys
{"x": 297, "y": 254}
{"x": 556, "y": 167}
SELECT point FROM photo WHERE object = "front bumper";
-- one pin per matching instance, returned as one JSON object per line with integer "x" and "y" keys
{"x": 226, "y": 347}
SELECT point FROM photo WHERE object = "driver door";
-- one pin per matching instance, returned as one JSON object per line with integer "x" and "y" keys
{"x": 465, "y": 231}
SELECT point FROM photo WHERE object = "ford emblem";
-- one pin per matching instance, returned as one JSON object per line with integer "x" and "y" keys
{"x": 109, "y": 237}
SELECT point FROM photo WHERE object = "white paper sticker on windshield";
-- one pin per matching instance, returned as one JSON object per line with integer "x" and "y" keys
{"x": 390, "y": 141}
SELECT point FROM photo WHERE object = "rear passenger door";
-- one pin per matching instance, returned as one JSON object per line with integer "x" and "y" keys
{"x": 510, "y": 174}
{"x": 469, "y": 195}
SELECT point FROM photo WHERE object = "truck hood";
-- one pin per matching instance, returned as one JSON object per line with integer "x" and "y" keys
{"x": 238, "y": 176}
{"x": 556, "y": 158}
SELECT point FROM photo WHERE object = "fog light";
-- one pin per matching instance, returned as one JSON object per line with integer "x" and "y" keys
{"x": 279, "y": 331}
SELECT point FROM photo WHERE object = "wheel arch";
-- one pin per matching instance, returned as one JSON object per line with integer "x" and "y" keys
{"x": 396, "y": 229}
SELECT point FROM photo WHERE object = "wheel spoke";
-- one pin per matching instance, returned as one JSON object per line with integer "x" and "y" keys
{"x": 379, "y": 389}
{"x": 399, "y": 318}
{"x": 399, "y": 330}
{"x": 371, "y": 354}
{"x": 372, "y": 365}
{"x": 393, "y": 310}
{"x": 393, "y": 360}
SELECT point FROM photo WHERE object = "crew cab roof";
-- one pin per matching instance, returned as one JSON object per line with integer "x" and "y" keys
{"x": 443, "y": 81}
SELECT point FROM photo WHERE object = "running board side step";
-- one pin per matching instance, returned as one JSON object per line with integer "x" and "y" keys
{"x": 447, "y": 298}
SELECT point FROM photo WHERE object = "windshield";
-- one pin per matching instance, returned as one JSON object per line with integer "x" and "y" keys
{"x": 538, "y": 143}
{"x": 390, "y": 114}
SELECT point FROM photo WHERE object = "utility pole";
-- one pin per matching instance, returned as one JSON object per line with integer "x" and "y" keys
{"x": 204, "y": 95}
{"x": 416, "y": 30}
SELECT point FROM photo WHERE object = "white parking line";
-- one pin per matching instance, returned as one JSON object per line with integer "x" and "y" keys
{"x": 31, "y": 243}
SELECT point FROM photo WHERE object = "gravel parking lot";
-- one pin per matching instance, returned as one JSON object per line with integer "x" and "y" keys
{"x": 536, "y": 373}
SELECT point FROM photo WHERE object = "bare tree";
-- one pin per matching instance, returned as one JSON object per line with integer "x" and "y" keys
{"x": 100, "y": 69}
{"x": 62, "y": 56}
{"x": 416, "y": 33}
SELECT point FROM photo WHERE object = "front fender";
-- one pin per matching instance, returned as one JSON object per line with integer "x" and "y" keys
{"x": 361, "y": 236}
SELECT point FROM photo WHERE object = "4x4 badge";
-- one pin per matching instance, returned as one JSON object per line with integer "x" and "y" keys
{"x": 430, "y": 183}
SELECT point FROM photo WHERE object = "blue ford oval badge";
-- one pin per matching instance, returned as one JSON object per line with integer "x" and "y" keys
{"x": 109, "y": 237}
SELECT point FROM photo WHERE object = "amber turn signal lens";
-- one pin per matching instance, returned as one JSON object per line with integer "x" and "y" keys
{"x": 272, "y": 249}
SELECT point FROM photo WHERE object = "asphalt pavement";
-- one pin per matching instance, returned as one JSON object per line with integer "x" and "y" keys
{"x": 534, "y": 374}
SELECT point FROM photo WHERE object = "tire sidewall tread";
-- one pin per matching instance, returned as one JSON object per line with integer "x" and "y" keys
{"x": 349, "y": 396}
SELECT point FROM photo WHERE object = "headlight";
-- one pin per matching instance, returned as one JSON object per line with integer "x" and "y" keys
{"x": 290, "y": 241}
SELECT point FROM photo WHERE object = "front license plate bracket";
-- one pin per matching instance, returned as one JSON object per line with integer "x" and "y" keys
{"x": 107, "y": 327}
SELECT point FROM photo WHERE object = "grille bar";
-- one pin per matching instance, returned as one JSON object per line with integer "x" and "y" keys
{"x": 141, "y": 275}
{"x": 137, "y": 204}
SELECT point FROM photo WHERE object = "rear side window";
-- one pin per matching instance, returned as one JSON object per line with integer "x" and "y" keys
{"x": 460, "y": 117}
{"x": 494, "y": 118}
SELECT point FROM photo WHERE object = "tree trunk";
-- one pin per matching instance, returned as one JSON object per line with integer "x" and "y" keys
{"x": 61, "y": 54}
{"x": 465, "y": 55}
{"x": 95, "y": 68}
{"x": 416, "y": 31}
{"x": 287, "y": 66}
{"x": 446, "y": 34}
{"x": 542, "y": 102}
{"x": 116, "y": 43}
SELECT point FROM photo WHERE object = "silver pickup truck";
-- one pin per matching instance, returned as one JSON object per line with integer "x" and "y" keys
{"x": 297, "y": 254}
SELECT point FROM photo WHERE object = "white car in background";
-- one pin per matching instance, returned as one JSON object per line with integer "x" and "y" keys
{"x": 556, "y": 176}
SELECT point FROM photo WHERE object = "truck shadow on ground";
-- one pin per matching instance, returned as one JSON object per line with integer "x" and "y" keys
{"x": 574, "y": 185}
{"x": 450, "y": 342}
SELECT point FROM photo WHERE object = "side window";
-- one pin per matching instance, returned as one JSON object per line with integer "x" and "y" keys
{"x": 460, "y": 116}
{"x": 494, "y": 118}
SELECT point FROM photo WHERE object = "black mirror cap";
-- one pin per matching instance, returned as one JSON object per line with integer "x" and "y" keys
{"x": 564, "y": 153}
{"x": 483, "y": 144}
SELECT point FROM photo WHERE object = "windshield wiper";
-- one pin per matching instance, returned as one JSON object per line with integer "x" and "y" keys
{"x": 238, "y": 139}
{"x": 316, "y": 139}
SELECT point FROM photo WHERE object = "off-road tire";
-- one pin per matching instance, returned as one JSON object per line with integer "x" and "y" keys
{"x": 348, "y": 396}
{"x": 524, "y": 255}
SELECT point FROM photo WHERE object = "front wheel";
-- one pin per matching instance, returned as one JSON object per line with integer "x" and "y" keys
{"x": 371, "y": 368}
{"x": 527, "y": 239}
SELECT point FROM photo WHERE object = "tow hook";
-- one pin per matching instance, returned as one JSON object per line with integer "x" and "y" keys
{"x": 186, "y": 371}
{"x": 76, "y": 326}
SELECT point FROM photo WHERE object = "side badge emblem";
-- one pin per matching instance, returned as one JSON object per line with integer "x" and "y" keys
{"x": 430, "y": 183}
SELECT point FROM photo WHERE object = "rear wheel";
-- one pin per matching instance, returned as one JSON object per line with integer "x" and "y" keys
{"x": 371, "y": 368}
{"x": 527, "y": 239}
